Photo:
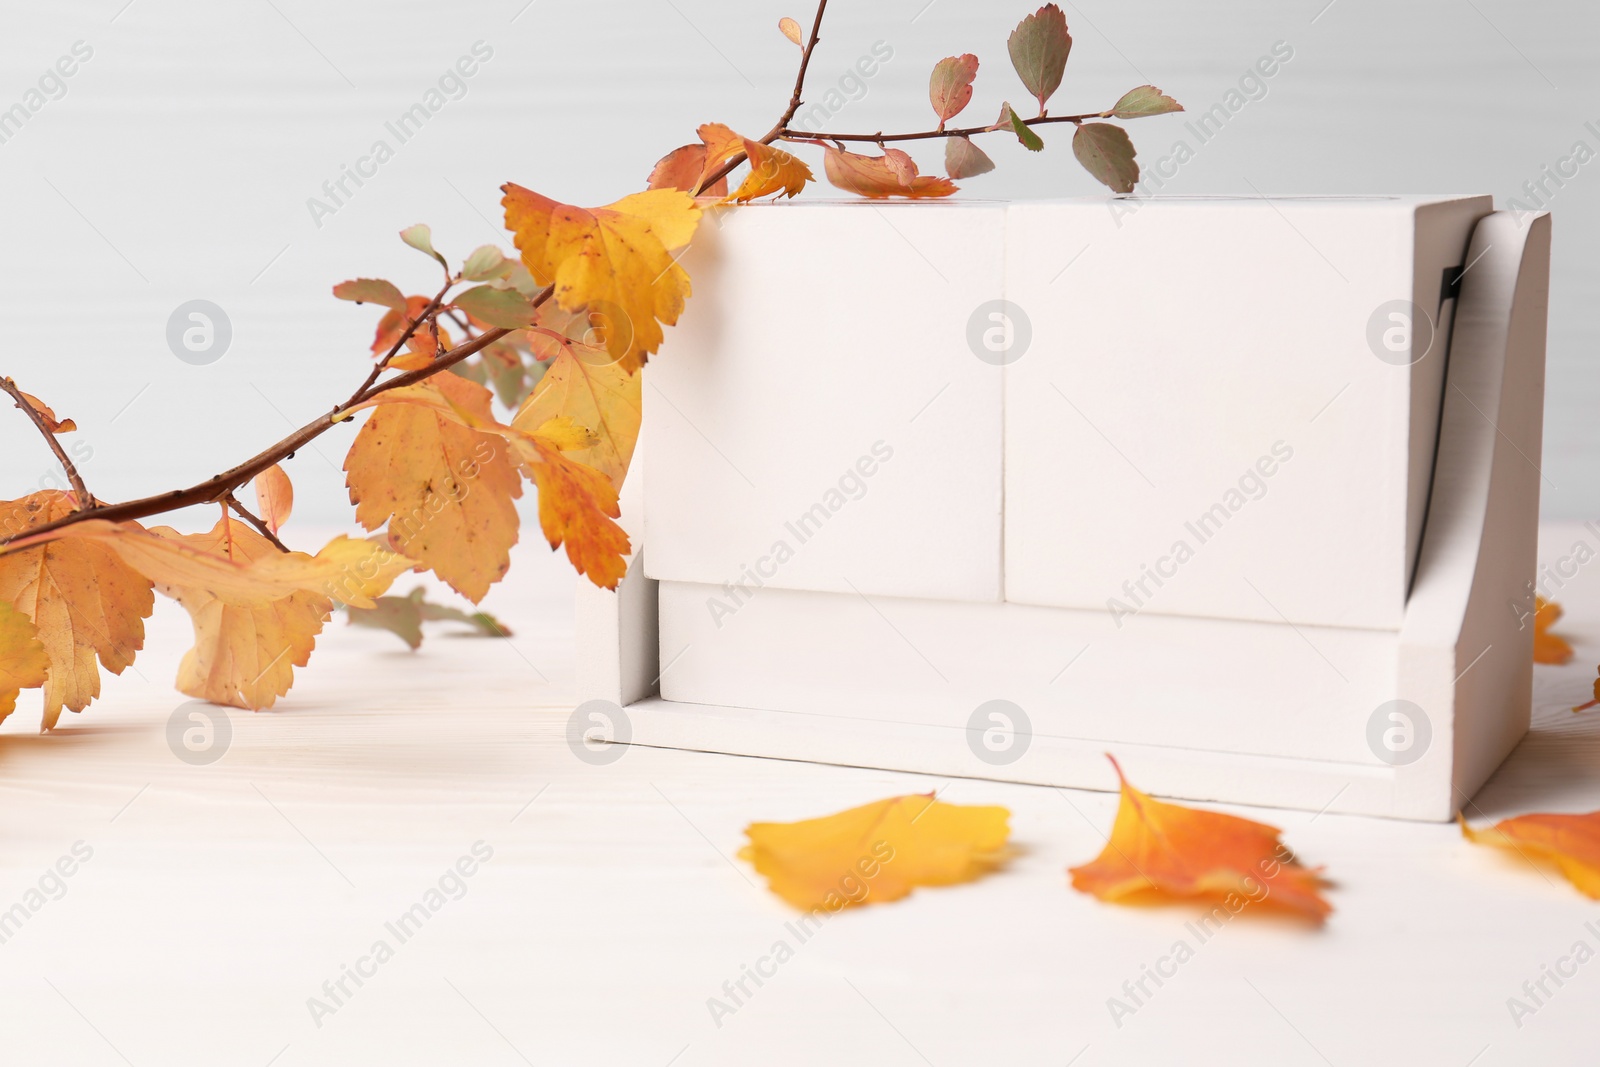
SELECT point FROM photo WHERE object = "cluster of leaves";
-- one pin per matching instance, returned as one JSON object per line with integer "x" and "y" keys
{"x": 1039, "y": 48}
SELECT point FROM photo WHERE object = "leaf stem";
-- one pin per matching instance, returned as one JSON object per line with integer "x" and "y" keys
{"x": 85, "y": 501}
{"x": 254, "y": 520}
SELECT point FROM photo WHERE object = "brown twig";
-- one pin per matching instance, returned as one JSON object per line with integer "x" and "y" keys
{"x": 878, "y": 138}
{"x": 778, "y": 127}
{"x": 78, "y": 488}
{"x": 255, "y": 520}
{"x": 382, "y": 364}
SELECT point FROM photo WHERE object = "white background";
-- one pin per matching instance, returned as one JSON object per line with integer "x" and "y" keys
{"x": 179, "y": 164}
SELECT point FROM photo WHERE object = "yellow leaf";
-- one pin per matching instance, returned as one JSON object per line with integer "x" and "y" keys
{"x": 772, "y": 170}
{"x": 602, "y": 397}
{"x": 1571, "y": 842}
{"x": 245, "y": 649}
{"x": 878, "y": 852}
{"x": 616, "y": 260}
{"x": 1160, "y": 848}
{"x": 444, "y": 488}
{"x": 24, "y": 664}
{"x": 83, "y": 599}
{"x": 274, "y": 497}
{"x": 1548, "y": 647}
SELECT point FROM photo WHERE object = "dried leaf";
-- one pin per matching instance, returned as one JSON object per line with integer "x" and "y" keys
{"x": 274, "y": 497}
{"x": 612, "y": 257}
{"x": 47, "y": 416}
{"x": 1162, "y": 848}
{"x": 24, "y": 663}
{"x": 1571, "y": 842}
{"x": 1106, "y": 152}
{"x": 878, "y": 852}
{"x": 420, "y": 348}
{"x": 789, "y": 28}
{"x": 772, "y": 170}
{"x": 403, "y": 616}
{"x": 1144, "y": 101}
{"x": 444, "y": 489}
{"x": 872, "y": 176}
{"x": 950, "y": 86}
{"x": 1039, "y": 47}
{"x": 83, "y": 599}
{"x": 903, "y": 166}
{"x": 602, "y": 397}
{"x": 1548, "y": 647}
{"x": 963, "y": 159}
{"x": 371, "y": 291}
{"x": 682, "y": 168}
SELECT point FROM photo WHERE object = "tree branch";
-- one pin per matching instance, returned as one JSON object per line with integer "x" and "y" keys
{"x": 78, "y": 488}
{"x": 254, "y": 520}
{"x": 878, "y": 138}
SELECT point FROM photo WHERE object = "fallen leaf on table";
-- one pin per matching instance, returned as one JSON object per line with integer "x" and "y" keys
{"x": 1161, "y": 848}
{"x": 24, "y": 664}
{"x": 1571, "y": 842}
{"x": 1592, "y": 703}
{"x": 403, "y": 616}
{"x": 84, "y": 600}
{"x": 878, "y": 852}
{"x": 1548, "y": 647}
{"x": 876, "y": 177}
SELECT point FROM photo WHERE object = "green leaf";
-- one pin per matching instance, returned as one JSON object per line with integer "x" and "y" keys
{"x": 950, "y": 86}
{"x": 505, "y": 308}
{"x": 1144, "y": 101}
{"x": 963, "y": 159}
{"x": 371, "y": 291}
{"x": 1106, "y": 152}
{"x": 420, "y": 237}
{"x": 486, "y": 262}
{"x": 403, "y": 616}
{"x": 1030, "y": 140}
{"x": 1039, "y": 47}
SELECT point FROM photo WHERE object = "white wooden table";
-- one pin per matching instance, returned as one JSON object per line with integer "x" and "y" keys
{"x": 218, "y": 899}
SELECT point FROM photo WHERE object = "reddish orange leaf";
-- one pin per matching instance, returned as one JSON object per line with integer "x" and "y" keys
{"x": 1161, "y": 848}
{"x": 875, "y": 177}
{"x": 878, "y": 852}
{"x": 1571, "y": 842}
{"x": 420, "y": 347}
{"x": 48, "y": 417}
{"x": 274, "y": 497}
{"x": 1548, "y": 647}
{"x": 682, "y": 168}
{"x": 84, "y": 600}
{"x": 950, "y": 85}
{"x": 616, "y": 259}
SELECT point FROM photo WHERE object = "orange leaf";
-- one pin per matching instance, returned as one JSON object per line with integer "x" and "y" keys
{"x": 599, "y": 396}
{"x": 83, "y": 599}
{"x": 274, "y": 497}
{"x": 611, "y": 258}
{"x": 772, "y": 170}
{"x": 950, "y": 85}
{"x": 682, "y": 168}
{"x": 420, "y": 347}
{"x": 1571, "y": 842}
{"x": 444, "y": 489}
{"x": 878, "y": 852}
{"x": 48, "y": 417}
{"x": 1592, "y": 703}
{"x": 789, "y": 28}
{"x": 1185, "y": 852}
{"x": 1548, "y": 647}
{"x": 24, "y": 663}
{"x": 873, "y": 176}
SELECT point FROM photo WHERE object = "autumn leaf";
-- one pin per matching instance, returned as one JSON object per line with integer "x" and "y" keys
{"x": 619, "y": 256}
{"x": 403, "y": 616}
{"x": 682, "y": 168}
{"x": 86, "y": 603}
{"x": 245, "y": 647}
{"x": 963, "y": 159}
{"x": 47, "y": 417}
{"x": 1548, "y": 647}
{"x": 1571, "y": 842}
{"x": 789, "y": 28}
{"x": 24, "y": 663}
{"x": 878, "y": 852}
{"x": 1592, "y": 703}
{"x": 872, "y": 176}
{"x": 371, "y": 291}
{"x": 772, "y": 170}
{"x": 1030, "y": 140}
{"x": 1144, "y": 101}
{"x": 950, "y": 85}
{"x": 1106, "y": 152}
{"x": 420, "y": 348}
{"x": 420, "y": 237}
{"x": 903, "y": 166}
{"x": 274, "y": 497}
{"x": 444, "y": 489}
{"x": 1162, "y": 848}
{"x": 1039, "y": 47}
{"x": 485, "y": 264}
